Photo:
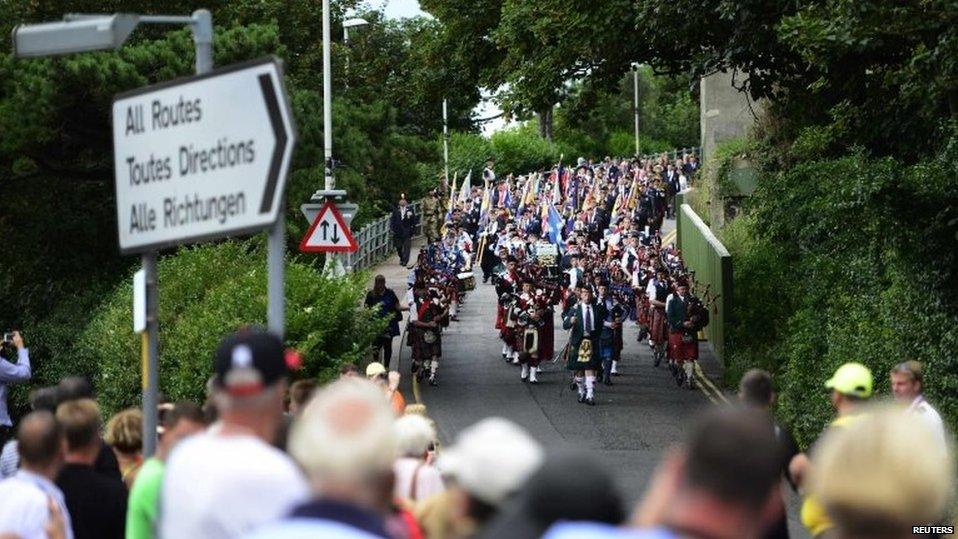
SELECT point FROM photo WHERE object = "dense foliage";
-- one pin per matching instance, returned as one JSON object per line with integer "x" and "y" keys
{"x": 875, "y": 242}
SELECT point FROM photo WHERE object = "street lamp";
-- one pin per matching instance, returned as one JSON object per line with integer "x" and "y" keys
{"x": 84, "y": 33}
{"x": 635, "y": 105}
{"x": 355, "y": 22}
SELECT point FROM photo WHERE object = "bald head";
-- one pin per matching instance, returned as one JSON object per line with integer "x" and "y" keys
{"x": 40, "y": 441}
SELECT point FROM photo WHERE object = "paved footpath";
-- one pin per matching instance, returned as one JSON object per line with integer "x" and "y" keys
{"x": 631, "y": 426}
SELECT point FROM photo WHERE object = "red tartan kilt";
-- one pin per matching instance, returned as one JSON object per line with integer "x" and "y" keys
{"x": 644, "y": 319}
{"x": 547, "y": 338}
{"x": 659, "y": 332}
{"x": 680, "y": 350}
{"x": 508, "y": 335}
{"x": 500, "y": 317}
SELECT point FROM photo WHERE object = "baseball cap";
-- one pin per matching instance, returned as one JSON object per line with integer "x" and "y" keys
{"x": 248, "y": 361}
{"x": 852, "y": 379}
{"x": 375, "y": 369}
{"x": 492, "y": 459}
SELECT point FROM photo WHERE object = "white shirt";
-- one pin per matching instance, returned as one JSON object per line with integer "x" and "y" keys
{"x": 23, "y": 505}
{"x": 219, "y": 486}
{"x": 927, "y": 413}
{"x": 428, "y": 480}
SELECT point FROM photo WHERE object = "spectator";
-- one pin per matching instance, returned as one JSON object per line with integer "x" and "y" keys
{"x": 720, "y": 484}
{"x": 755, "y": 392}
{"x": 389, "y": 382}
{"x": 182, "y": 420}
{"x": 14, "y": 368}
{"x": 907, "y": 385}
{"x": 75, "y": 388}
{"x": 882, "y": 475}
{"x": 488, "y": 464}
{"x": 124, "y": 433}
{"x": 850, "y": 387}
{"x": 229, "y": 480}
{"x": 552, "y": 494}
{"x": 300, "y": 392}
{"x": 345, "y": 443}
{"x": 41, "y": 399}
{"x": 416, "y": 478}
{"x": 25, "y": 498}
{"x": 349, "y": 370}
{"x": 96, "y": 503}
{"x": 387, "y": 303}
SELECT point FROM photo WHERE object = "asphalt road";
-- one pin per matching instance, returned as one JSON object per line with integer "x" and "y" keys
{"x": 632, "y": 425}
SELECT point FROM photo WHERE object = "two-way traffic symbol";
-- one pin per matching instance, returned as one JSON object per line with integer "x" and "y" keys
{"x": 328, "y": 233}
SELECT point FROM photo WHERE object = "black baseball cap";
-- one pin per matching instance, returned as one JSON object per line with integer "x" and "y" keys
{"x": 249, "y": 361}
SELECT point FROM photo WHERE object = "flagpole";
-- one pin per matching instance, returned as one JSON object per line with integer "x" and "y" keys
{"x": 445, "y": 136}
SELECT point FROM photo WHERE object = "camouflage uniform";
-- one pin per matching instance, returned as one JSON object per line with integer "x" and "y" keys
{"x": 431, "y": 217}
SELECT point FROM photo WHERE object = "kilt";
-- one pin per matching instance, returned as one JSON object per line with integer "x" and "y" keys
{"x": 644, "y": 319}
{"x": 573, "y": 363}
{"x": 680, "y": 350}
{"x": 547, "y": 340}
{"x": 500, "y": 317}
{"x": 659, "y": 331}
{"x": 421, "y": 350}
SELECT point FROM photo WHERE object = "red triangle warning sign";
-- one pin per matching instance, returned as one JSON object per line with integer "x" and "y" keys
{"x": 328, "y": 233}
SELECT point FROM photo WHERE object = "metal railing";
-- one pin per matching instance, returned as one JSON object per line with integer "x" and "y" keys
{"x": 674, "y": 154}
{"x": 375, "y": 239}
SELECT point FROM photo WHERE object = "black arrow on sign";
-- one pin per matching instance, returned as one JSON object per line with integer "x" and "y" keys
{"x": 325, "y": 225}
{"x": 279, "y": 131}
{"x": 335, "y": 234}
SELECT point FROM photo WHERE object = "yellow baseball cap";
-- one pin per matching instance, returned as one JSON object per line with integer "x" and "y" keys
{"x": 852, "y": 379}
{"x": 375, "y": 369}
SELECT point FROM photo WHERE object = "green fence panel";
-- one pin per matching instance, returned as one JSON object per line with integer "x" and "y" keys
{"x": 709, "y": 259}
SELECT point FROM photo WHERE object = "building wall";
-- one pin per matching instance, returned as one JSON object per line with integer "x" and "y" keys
{"x": 724, "y": 111}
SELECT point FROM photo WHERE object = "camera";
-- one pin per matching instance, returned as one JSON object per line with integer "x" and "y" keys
{"x": 8, "y": 337}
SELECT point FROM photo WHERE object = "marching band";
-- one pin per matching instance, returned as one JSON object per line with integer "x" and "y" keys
{"x": 585, "y": 243}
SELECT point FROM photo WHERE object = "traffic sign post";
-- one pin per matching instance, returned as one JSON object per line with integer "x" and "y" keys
{"x": 329, "y": 233}
{"x": 202, "y": 158}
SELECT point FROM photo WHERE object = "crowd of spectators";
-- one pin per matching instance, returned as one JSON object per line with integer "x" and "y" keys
{"x": 347, "y": 459}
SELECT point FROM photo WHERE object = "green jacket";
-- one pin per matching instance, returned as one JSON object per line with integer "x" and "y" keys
{"x": 676, "y": 311}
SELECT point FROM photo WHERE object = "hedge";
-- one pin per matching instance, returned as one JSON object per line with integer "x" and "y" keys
{"x": 847, "y": 259}
{"x": 205, "y": 293}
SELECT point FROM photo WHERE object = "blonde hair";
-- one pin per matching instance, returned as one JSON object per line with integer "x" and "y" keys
{"x": 124, "y": 431}
{"x": 882, "y": 474}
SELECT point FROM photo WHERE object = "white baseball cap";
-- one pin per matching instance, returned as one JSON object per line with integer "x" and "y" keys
{"x": 492, "y": 459}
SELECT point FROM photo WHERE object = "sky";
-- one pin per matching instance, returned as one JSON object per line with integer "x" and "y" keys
{"x": 399, "y": 9}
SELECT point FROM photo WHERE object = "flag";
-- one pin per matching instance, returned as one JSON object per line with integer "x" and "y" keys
{"x": 554, "y": 225}
{"x": 452, "y": 204}
{"x": 466, "y": 187}
{"x": 484, "y": 206}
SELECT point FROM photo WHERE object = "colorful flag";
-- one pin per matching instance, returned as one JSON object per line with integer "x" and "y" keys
{"x": 554, "y": 226}
{"x": 466, "y": 188}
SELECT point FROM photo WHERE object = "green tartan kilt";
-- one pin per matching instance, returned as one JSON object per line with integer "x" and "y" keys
{"x": 573, "y": 363}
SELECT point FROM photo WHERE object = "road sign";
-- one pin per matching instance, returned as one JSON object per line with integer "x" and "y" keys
{"x": 202, "y": 157}
{"x": 347, "y": 209}
{"x": 328, "y": 233}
